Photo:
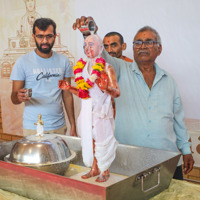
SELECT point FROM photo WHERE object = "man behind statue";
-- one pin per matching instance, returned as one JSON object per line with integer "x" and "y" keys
{"x": 41, "y": 69}
{"x": 149, "y": 111}
{"x": 114, "y": 44}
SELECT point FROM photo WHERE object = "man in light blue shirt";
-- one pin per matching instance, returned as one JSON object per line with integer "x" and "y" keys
{"x": 41, "y": 69}
{"x": 149, "y": 111}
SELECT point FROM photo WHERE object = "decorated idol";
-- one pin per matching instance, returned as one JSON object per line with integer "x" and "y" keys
{"x": 40, "y": 124}
{"x": 96, "y": 86}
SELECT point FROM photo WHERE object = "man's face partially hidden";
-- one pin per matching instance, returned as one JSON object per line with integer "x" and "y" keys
{"x": 113, "y": 46}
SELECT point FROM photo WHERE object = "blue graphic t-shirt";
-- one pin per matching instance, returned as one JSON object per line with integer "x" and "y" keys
{"x": 42, "y": 75}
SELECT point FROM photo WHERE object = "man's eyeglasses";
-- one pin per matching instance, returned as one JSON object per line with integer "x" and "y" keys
{"x": 48, "y": 37}
{"x": 149, "y": 44}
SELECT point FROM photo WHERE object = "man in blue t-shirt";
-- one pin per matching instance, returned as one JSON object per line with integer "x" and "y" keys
{"x": 41, "y": 70}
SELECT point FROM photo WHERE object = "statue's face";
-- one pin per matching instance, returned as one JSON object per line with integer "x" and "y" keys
{"x": 30, "y": 5}
{"x": 91, "y": 47}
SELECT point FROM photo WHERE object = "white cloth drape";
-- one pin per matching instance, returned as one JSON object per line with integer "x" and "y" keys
{"x": 96, "y": 122}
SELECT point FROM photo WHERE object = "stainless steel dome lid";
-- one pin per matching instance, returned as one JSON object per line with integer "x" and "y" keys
{"x": 39, "y": 150}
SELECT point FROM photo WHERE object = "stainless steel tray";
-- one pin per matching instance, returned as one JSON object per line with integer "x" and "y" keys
{"x": 136, "y": 173}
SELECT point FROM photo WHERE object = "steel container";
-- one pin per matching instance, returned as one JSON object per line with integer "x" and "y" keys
{"x": 88, "y": 29}
{"x": 136, "y": 173}
{"x": 47, "y": 153}
{"x": 28, "y": 92}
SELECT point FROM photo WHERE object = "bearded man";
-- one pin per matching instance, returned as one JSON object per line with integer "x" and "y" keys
{"x": 41, "y": 69}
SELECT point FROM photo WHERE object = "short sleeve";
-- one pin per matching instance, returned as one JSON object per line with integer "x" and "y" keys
{"x": 69, "y": 71}
{"x": 18, "y": 72}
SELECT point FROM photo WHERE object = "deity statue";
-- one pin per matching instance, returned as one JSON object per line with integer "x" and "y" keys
{"x": 40, "y": 128}
{"x": 28, "y": 19}
{"x": 96, "y": 86}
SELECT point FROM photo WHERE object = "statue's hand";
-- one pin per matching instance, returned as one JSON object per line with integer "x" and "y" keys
{"x": 102, "y": 81}
{"x": 64, "y": 85}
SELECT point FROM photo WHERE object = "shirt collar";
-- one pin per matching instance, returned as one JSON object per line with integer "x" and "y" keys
{"x": 159, "y": 71}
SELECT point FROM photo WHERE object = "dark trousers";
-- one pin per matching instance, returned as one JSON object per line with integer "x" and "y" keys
{"x": 178, "y": 174}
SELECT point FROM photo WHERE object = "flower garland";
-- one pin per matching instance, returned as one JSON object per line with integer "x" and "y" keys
{"x": 83, "y": 85}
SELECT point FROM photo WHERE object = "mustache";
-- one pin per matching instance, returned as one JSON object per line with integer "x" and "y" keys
{"x": 143, "y": 51}
{"x": 46, "y": 44}
{"x": 113, "y": 53}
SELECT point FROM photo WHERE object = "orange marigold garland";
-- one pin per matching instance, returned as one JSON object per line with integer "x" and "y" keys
{"x": 83, "y": 85}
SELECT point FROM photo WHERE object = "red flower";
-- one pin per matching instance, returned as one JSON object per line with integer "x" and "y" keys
{"x": 78, "y": 71}
{"x": 90, "y": 83}
{"x": 81, "y": 60}
{"x": 100, "y": 60}
{"x": 84, "y": 94}
{"x": 96, "y": 72}
{"x": 79, "y": 78}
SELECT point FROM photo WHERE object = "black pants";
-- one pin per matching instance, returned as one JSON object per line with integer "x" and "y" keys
{"x": 178, "y": 174}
